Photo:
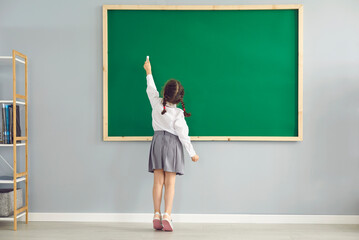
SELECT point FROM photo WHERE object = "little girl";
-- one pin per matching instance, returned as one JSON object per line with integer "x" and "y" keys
{"x": 166, "y": 158}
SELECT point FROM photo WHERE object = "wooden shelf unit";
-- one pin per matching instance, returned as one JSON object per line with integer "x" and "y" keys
{"x": 23, "y": 176}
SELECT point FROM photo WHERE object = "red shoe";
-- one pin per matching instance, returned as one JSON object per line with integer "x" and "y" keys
{"x": 157, "y": 222}
{"x": 167, "y": 223}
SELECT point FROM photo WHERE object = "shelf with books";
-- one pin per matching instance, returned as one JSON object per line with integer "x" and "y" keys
{"x": 11, "y": 133}
{"x": 7, "y": 124}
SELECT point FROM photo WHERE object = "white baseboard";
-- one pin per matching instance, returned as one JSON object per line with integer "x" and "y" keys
{"x": 197, "y": 218}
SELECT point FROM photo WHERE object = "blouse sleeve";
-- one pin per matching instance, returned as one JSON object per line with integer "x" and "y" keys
{"x": 182, "y": 130}
{"x": 151, "y": 90}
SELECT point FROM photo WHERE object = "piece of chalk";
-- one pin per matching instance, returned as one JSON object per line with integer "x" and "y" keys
{"x": 148, "y": 57}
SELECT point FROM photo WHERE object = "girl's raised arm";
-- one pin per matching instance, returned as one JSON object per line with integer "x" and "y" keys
{"x": 151, "y": 90}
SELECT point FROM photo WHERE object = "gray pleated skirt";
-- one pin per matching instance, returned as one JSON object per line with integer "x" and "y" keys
{"x": 166, "y": 153}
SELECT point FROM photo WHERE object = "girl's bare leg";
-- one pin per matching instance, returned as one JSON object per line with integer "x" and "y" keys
{"x": 158, "y": 182}
{"x": 170, "y": 179}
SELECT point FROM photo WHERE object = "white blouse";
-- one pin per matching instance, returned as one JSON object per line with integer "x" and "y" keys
{"x": 172, "y": 121}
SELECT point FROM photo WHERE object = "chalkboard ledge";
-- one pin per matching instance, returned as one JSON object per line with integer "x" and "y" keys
{"x": 208, "y": 138}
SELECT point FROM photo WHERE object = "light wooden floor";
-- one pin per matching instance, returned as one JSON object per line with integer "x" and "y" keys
{"x": 186, "y": 231}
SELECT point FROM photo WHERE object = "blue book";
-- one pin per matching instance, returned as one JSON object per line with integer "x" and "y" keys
{"x": 7, "y": 130}
{"x": 2, "y": 133}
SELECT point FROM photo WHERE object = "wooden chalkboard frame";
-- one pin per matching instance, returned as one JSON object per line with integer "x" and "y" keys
{"x": 105, "y": 8}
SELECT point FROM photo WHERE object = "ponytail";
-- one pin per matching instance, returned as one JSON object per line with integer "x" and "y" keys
{"x": 186, "y": 114}
{"x": 164, "y": 101}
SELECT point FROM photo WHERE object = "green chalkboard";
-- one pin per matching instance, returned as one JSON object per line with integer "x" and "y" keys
{"x": 239, "y": 69}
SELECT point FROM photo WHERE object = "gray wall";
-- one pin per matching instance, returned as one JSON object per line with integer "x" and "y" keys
{"x": 73, "y": 170}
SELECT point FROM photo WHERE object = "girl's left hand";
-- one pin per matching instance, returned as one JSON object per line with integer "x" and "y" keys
{"x": 195, "y": 158}
{"x": 147, "y": 66}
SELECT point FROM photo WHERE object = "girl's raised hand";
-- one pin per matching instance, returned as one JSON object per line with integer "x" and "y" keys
{"x": 147, "y": 66}
{"x": 195, "y": 158}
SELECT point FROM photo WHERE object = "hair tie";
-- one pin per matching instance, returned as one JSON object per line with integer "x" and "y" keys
{"x": 184, "y": 109}
{"x": 164, "y": 107}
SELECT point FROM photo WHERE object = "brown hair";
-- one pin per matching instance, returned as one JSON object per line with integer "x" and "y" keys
{"x": 173, "y": 92}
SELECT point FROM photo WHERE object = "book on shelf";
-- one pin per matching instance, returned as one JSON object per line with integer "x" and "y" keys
{"x": 6, "y": 135}
{"x": 2, "y": 125}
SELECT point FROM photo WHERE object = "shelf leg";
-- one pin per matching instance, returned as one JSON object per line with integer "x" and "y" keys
{"x": 27, "y": 145}
{"x": 14, "y": 134}
{"x": 15, "y": 198}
